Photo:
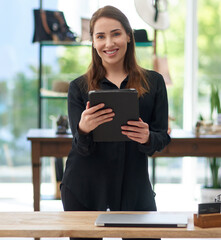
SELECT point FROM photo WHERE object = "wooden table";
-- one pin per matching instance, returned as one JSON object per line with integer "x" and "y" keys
{"x": 44, "y": 142}
{"x": 185, "y": 144}
{"x": 81, "y": 225}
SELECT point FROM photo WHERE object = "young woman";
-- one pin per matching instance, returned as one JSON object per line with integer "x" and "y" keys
{"x": 113, "y": 175}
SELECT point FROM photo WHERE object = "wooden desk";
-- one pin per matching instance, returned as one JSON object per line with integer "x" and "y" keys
{"x": 44, "y": 142}
{"x": 81, "y": 225}
{"x": 185, "y": 144}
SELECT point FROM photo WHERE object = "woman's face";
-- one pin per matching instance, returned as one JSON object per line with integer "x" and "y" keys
{"x": 110, "y": 41}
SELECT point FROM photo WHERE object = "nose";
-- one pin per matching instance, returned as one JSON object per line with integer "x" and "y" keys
{"x": 109, "y": 42}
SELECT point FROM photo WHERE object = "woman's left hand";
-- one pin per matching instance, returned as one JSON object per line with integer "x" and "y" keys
{"x": 137, "y": 131}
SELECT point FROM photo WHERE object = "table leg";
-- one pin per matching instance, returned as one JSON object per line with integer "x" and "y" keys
{"x": 153, "y": 172}
{"x": 36, "y": 167}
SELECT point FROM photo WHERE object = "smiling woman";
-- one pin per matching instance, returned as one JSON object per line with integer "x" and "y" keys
{"x": 113, "y": 175}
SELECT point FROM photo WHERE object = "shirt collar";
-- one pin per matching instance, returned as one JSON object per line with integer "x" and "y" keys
{"x": 106, "y": 84}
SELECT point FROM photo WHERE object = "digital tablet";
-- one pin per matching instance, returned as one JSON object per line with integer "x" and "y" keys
{"x": 125, "y": 105}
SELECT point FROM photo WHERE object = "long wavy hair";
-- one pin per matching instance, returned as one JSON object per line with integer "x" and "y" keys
{"x": 96, "y": 71}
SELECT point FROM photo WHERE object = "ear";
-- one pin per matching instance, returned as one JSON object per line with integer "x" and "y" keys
{"x": 128, "y": 38}
{"x": 93, "y": 44}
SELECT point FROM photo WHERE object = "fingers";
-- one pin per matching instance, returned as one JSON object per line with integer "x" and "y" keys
{"x": 136, "y": 126}
{"x": 137, "y": 131}
{"x": 94, "y": 108}
{"x": 88, "y": 105}
{"x": 100, "y": 115}
{"x": 92, "y": 117}
{"x": 103, "y": 112}
{"x": 104, "y": 119}
{"x": 103, "y": 116}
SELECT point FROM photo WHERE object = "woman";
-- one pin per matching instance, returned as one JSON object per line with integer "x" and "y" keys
{"x": 113, "y": 175}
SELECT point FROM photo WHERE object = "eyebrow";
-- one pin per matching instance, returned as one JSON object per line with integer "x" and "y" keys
{"x": 114, "y": 30}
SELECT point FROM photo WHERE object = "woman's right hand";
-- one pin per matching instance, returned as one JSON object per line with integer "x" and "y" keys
{"x": 94, "y": 116}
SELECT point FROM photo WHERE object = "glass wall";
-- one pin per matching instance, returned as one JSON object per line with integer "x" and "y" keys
{"x": 18, "y": 87}
{"x": 209, "y": 52}
{"x": 18, "y": 84}
{"x": 209, "y": 71}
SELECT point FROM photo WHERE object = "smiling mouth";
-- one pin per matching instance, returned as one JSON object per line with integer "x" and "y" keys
{"x": 112, "y": 52}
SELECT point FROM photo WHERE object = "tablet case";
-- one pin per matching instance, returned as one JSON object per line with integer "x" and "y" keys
{"x": 125, "y": 105}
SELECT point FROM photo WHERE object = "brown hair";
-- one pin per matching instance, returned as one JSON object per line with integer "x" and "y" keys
{"x": 96, "y": 71}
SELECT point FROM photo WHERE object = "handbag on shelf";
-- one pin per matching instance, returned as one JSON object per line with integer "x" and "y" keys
{"x": 51, "y": 26}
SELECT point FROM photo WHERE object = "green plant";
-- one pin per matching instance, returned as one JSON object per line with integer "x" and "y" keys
{"x": 214, "y": 100}
{"x": 215, "y": 164}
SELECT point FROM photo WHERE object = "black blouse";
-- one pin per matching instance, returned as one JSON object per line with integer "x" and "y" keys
{"x": 114, "y": 175}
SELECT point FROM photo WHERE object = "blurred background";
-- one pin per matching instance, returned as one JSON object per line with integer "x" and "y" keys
{"x": 178, "y": 180}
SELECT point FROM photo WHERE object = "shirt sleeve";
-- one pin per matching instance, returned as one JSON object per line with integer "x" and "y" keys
{"x": 82, "y": 143}
{"x": 158, "y": 125}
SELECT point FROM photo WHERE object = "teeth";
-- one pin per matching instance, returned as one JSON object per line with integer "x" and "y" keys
{"x": 111, "y": 52}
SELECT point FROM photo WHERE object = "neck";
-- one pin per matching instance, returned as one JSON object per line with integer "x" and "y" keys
{"x": 115, "y": 74}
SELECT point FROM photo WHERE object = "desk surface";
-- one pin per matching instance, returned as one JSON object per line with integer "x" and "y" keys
{"x": 51, "y": 134}
{"x": 81, "y": 225}
{"x": 46, "y": 133}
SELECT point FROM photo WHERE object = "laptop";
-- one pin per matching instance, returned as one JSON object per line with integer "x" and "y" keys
{"x": 153, "y": 219}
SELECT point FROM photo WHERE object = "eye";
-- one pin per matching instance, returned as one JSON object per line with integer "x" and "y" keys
{"x": 100, "y": 36}
{"x": 117, "y": 34}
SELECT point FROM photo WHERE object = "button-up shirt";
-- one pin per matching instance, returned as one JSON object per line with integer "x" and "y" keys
{"x": 114, "y": 175}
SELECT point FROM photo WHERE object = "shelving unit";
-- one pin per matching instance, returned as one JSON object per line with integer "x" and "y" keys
{"x": 45, "y": 93}
{"x": 48, "y": 94}
{"x": 51, "y": 95}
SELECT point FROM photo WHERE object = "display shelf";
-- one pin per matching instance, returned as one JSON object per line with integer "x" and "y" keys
{"x": 62, "y": 43}
{"x": 144, "y": 44}
{"x": 49, "y": 94}
{"x": 87, "y": 44}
